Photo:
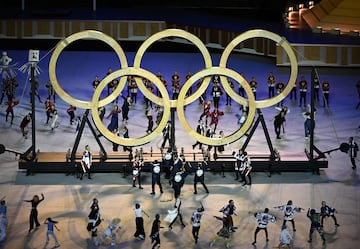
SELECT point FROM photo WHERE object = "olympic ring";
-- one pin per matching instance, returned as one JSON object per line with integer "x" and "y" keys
{"x": 172, "y": 33}
{"x": 279, "y": 40}
{"x": 87, "y": 34}
{"x": 129, "y": 141}
{"x": 165, "y": 100}
{"x": 227, "y": 139}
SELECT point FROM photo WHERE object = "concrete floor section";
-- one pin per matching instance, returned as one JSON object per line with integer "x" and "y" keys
{"x": 68, "y": 199}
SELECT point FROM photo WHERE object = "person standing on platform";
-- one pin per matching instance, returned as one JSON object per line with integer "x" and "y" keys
{"x": 155, "y": 177}
{"x": 95, "y": 82}
{"x": 325, "y": 89}
{"x": 136, "y": 169}
{"x": 316, "y": 89}
{"x": 200, "y": 177}
{"x": 245, "y": 169}
{"x": 195, "y": 220}
{"x": 200, "y": 129}
{"x": 280, "y": 86}
{"x": 327, "y": 211}
{"x": 289, "y": 210}
{"x": 175, "y": 85}
{"x": 315, "y": 225}
{"x": 303, "y": 85}
{"x": 35, "y": 201}
{"x": 86, "y": 162}
{"x": 353, "y": 149}
{"x": 139, "y": 221}
{"x": 263, "y": 218}
{"x": 51, "y": 224}
{"x": 271, "y": 85}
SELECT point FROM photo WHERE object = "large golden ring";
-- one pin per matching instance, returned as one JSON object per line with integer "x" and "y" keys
{"x": 172, "y": 33}
{"x": 227, "y": 139}
{"x": 281, "y": 41}
{"x": 87, "y": 34}
{"x": 129, "y": 141}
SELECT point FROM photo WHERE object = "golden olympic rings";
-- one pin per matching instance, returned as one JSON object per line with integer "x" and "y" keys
{"x": 227, "y": 139}
{"x": 165, "y": 100}
{"x": 280, "y": 41}
{"x": 87, "y": 34}
{"x": 130, "y": 141}
{"x": 173, "y": 33}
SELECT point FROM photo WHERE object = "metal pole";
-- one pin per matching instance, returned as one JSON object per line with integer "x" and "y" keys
{"x": 33, "y": 123}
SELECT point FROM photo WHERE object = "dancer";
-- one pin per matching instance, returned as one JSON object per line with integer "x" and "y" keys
{"x": 206, "y": 110}
{"x": 95, "y": 82}
{"x": 125, "y": 108}
{"x": 166, "y": 134}
{"x": 215, "y": 115}
{"x": 253, "y": 85}
{"x": 175, "y": 85}
{"x": 285, "y": 238}
{"x": 24, "y": 123}
{"x": 51, "y": 90}
{"x": 35, "y": 201}
{"x": 271, "y": 85}
{"x": 149, "y": 116}
{"x": 303, "y": 85}
{"x": 36, "y": 91}
{"x": 114, "y": 115}
{"x": 229, "y": 210}
{"x": 174, "y": 214}
{"x": 243, "y": 167}
{"x": 195, "y": 220}
{"x": 309, "y": 124}
{"x": 200, "y": 129}
{"x": 315, "y": 224}
{"x": 232, "y": 86}
{"x": 3, "y": 212}
{"x": 51, "y": 224}
{"x": 263, "y": 218}
{"x": 224, "y": 231}
{"x": 71, "y": 112}
{"x": 279, "y": 119}
{"x": 109, "y": 232}
{"x": 325, "y": 87}
{"x": 353, "y": 149}
{"x": 10, "y": 109}
{"x": 139, "y": 221}
{"x": 241, "y": 118}
{"x": 199, "y": 177}
{"x": 327, "y": 211}
{"x": 289, "y": 210}
{"x": 280, "y": 86}
{"x": 133, "y": 88}
{"x": 155, "y": 177}
{"x": 155, "y": 231}
{"x": 86, "y": 162}
{"x": 54, "y": 117}
{"x": 137, "y": 166}
{"x": 216, "y": 93}
{"x": 94, "y": 218}
{"x": 48, "y": 105}
{"x": 125, "y": 133}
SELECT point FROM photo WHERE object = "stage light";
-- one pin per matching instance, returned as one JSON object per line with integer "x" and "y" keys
{"x": 353, "y": 32}
{"x": 335, "y": 31}
{"x": 311, "y": 4}
{"x": 301, "y": 5}
{"x": 291, "y": 8}
{"x": 317, "y": 30}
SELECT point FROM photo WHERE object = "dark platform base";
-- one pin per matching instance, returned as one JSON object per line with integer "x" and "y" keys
{"x": 214, "y": 166}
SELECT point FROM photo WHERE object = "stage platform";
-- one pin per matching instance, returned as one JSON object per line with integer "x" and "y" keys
{"x": 56, "y": 162}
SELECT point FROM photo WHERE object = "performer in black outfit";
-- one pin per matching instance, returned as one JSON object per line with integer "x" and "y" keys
{"x": 34, "y": 213}
{"x": 155, "y": 231}
{"x": 94, "y": 218}
{"x": 199, "y": 177}
{"x": 327, "y": 211}
{"x": 315, "y": 224}
{"x": 155, "y": 177}
{"x": 177, "y": 206}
